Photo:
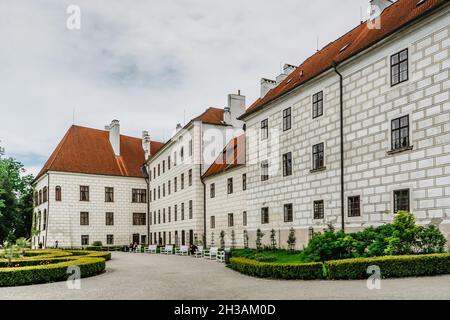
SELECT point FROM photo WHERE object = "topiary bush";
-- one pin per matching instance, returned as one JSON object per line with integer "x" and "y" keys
{"x": 306, "y": 271}
{"x": 390, "y": 266}
{"x": 50, "y": 265}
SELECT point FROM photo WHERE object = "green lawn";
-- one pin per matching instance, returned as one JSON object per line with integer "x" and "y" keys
{"x": 278, "y": 256}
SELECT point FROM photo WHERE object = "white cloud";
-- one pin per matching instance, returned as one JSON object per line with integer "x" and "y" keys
{"x": 145, "y": 62}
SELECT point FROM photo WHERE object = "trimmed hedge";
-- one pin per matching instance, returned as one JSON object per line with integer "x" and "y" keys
{"x": 390, "y": 266}
{"x": 305, "y": 271}
{"x": 51, "y": 265}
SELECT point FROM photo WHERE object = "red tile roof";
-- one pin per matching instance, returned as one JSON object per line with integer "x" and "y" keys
{"x": 211, "y": 115}
{"x": 393, "y": 18}
{"x": 86, "y": 150}
{"x": 234, "y": 152}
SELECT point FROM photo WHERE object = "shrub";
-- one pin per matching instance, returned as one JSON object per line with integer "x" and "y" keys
{"x": 390, "y": 266}
{"x": 291, "y": 239}
{"x": 329, "y": 245}
{"x": 306, "y": 271}
{"x": 273, "y": 239}
{"x": 97, "y": 244}
{"x": 259, "y": 235}
{"x": 265, "y": 257}
{"x": 50, "y": 265}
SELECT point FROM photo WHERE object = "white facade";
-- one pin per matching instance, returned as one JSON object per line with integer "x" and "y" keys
{"x": 371, "y": 171}
{"x": 63, "y": 217}
{"x": 220, "y": 204}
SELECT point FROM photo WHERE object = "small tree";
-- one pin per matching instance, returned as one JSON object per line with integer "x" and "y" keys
{"x": 291, "y": 239}
{"x": 222, "y": 239}
{"x": 245, "y": 239}
{"x": 212, "y": 239}
{"x": 11, "y": 252}
{"x": 259, "y": 236}
{"x": 233, "y": 239}
{"x": 23, "y": 244}
{"x": 273, "y": 239}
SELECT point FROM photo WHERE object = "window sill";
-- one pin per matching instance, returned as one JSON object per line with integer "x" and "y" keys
{"x": 318, "y": 170}
{"x": 391, "y": 152}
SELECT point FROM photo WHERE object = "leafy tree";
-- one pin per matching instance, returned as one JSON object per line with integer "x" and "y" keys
{"x": 245, "y": 239}
{"x": 273, "y": 239}
{"x": 259, "y": 236}
{"x": 222, "y": 239}
{"x": 16, "y": 200}
{"x": 233, "y": 239}
{"x": 291, "y": 239}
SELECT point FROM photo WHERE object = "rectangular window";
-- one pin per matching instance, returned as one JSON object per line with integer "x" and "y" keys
{"x": 191, "y": 209}
{"x": 164, "y": 215}
{"x": 286, "y": 119}
{"x": 318, "y": 156}
{"x": 244, "y": 218}
{"x": 400, "y": 133}
{"x": 57, "y": 194}
{"x": 140, "y": 195}
{"x": 182, "y": 211}
{"x": 399, "y": 67}
{"x": 109, "y": 239}
{"x": 264, "y": 170}
{"x": 244, "y": 182}
{"x": 175, "y": 212}
{"x": 287, "y": 164}
{"x": 190, "y": 177}
{"x": 401, "y": 200}
{"x": 159, "y": 216}
{"x": 175, "y": 184}
{"x": 84, "y": 240}
{"x": 175, "y": 159}
{"x": 139, "y": 219}
{"x": 159, "y": 169}
{"x": 213, "y": 222}
{"x": 264, "y": 215}
{"x": 168, "y": 163}
{"x": 169, "y": 213}
{"x": 191, "y": 148}
{"x": 159, "y": 192}
{"x": 288, "y": 215}
{"x": 109, "y": 216}
{"x": 230, "y": 220}
{"x": 164, "y": 189}
{"x": 84, "y": 193}
{"x": 164, "y": 166}
{"x": 354, "y": 206}
{"x": 84, "y": 218}
{"x": 318, "y": 104}
{"x": 109, "y": 194}
{"x": 212, "y": 190}
{"x": 182, "y": 154}
{"x": 230, "y": 185}
{"x": 182, "y": 181}
{"x": 169, "y": 187}
{"x": 264, "y": 129}
{"x": 318, "y": 209}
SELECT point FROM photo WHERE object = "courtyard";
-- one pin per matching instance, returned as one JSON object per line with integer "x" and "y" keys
{"x": 145, "y": 276}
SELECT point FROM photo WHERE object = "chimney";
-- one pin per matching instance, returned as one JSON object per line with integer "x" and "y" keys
{"x": 280, "y": 78}
{"x": 236, "y": 108}
{"x": 146, "y": 144}
{"x": 114, "y": 136}
{"x": 288, "y": 68}
{"x": 377, "y": 6}
{"x": 179, "y": 127}
{"x": 266, "y": 86}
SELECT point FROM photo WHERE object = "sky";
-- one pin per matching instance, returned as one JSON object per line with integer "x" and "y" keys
{"x": 151, "y": 64}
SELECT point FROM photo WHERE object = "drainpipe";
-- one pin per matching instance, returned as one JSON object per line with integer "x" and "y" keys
{"x": 341, "y": 120}
{"x": 204, "y": 207}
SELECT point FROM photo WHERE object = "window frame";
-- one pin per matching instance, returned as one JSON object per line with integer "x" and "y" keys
{"x": 109, "y": 218}
{"x": 318, "y": 152}
{"x": 264, "y": 129}
{"x": 395, "y": 200}
{"x": 230, "y": 218}
{"x": 230, "y": 185}
{"x": 351, "y": 207}
{"x": 109, "y": 191}
{"x": 265, "y": 215}
{"x": 84, "y": 218}
{"x": 401, "y": 128}
{"x": 264, "y": 170}
{"x": 84, "y": 190}
{"x": 287, "y": 159}
{"x": 317, "y": 104}
{"x": 139, "y": 219}
{"x": 288, "y": 216}
{"x": 397, "y": 65}
{"x": 318, "y": 205}
{"x": 287, "y": 119}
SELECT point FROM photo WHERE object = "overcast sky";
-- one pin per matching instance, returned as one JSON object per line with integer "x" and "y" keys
{"x": 149, "y": 64}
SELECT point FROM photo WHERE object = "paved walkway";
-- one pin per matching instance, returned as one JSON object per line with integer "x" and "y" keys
{"x": 144, "y": 276}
